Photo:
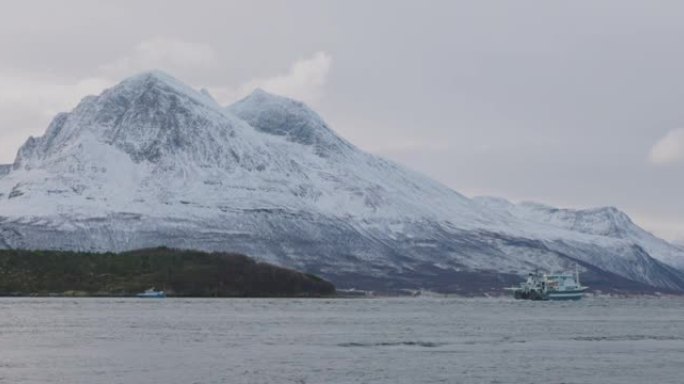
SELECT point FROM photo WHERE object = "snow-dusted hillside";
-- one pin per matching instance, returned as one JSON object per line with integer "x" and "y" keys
{"x": 153, "y": 162}
{"x": 5, "y": 169}
{"x": 606, "y": 222}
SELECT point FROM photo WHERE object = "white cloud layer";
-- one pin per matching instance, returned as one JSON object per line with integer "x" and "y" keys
{"x": 669, "y": 149}
{"x": 48, "y": 95}
{"x": 304, "y": 81}
{"x": 174, "y": 56}
{"x": 28, "y": 102}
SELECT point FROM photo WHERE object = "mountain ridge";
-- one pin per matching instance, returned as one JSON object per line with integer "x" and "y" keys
{"x": 152, "y": 162}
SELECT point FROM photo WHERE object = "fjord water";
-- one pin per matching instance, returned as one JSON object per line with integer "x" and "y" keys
{"x": 392, "y": 340}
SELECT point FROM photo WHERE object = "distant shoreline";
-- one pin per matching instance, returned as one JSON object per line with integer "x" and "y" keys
{"x": 195, "y": 274}
{"x": 180, "y": 273}
{"x": 336, "y": 296}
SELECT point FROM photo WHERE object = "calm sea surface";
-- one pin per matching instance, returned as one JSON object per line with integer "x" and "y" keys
{"x": 398, "y": 340}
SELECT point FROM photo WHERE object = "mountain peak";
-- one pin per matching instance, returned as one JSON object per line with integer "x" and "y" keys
{"x": 292, "y": 119}
{"x": 154, "y": 78}
{"x": 153, "y": 75}
{"x": 161, "y": 81}
{"x": 145, "y": 115}
{"x": 260, "y": 92}
{"x": 259, "y": 97}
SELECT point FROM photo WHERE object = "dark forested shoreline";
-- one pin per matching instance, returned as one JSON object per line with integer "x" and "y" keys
{"x": 180, "y": 273}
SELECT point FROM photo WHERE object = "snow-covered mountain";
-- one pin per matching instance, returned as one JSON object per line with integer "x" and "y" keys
{"x": 153, "y": 162}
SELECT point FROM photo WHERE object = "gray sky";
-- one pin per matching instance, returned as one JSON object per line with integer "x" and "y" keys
{"x": 575, "y": 103}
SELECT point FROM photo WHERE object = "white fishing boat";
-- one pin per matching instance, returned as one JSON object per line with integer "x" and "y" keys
{"x": 151, "y": 293}
{"x": 564, "y": 286}
{"x": 555, "y": 286}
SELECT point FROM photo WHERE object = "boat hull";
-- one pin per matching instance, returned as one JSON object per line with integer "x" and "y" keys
{"x": 155, "y": 295}
{"x": 572, "y": 295}
{"x": 543, "y": 296}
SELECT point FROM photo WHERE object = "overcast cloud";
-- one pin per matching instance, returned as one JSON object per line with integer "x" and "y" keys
{"x": 575, "y": 104}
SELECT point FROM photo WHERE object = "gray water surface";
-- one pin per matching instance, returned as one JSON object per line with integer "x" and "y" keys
{"x": 393, "y": 340}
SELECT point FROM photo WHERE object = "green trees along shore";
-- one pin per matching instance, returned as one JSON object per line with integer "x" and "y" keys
{"x": 177, "y": 272}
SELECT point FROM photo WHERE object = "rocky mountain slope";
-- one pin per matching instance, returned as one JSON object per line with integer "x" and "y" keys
{"x": 152, "y": 162}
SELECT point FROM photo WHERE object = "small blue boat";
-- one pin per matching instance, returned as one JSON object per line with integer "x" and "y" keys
{"x": 152, "y": 293}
